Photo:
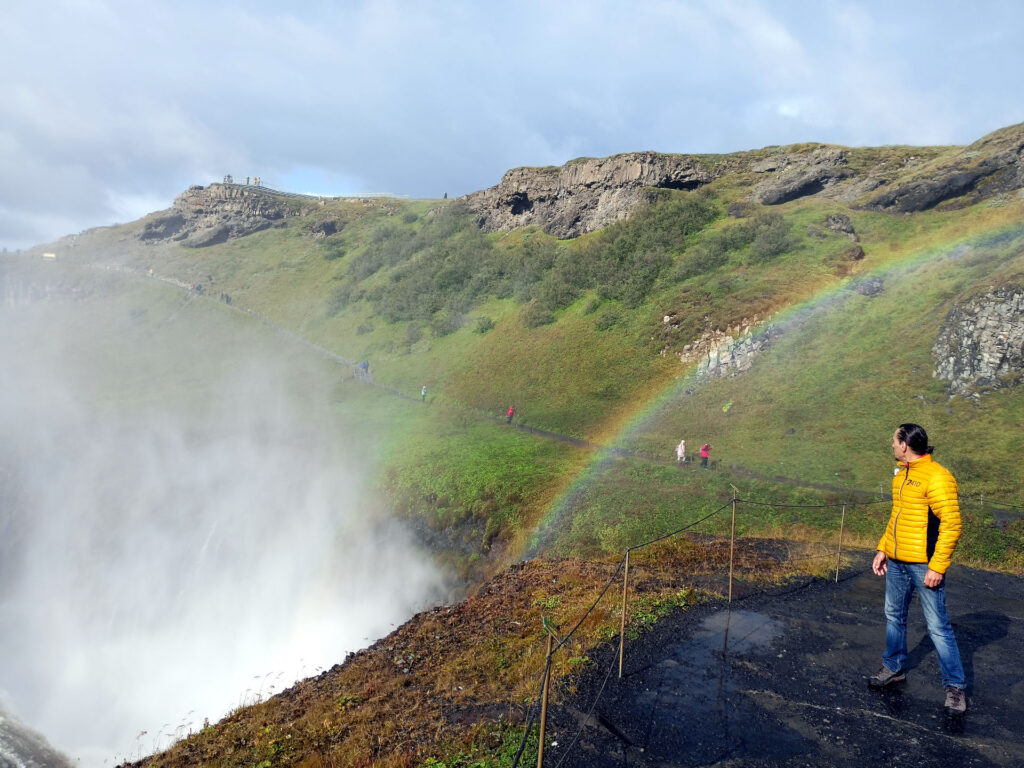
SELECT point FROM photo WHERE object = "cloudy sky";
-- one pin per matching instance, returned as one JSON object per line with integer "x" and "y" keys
{"x": 109, "y": 108}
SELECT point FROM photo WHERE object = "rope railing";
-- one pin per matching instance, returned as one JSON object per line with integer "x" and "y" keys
{"x": 623, "y": 565}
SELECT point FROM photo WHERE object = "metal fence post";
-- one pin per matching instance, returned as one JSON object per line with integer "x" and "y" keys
{"x": 839, "y": 552}
{"x": 544, "y": 704}
{"x": 622, "y": 623}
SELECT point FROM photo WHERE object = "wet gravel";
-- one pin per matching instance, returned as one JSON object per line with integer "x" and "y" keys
{"x": 781, "y": 680}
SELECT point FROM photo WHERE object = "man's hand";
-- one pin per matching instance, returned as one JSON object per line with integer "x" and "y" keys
{"x": 932, "y": 578}
{"x": 880, "y": 565}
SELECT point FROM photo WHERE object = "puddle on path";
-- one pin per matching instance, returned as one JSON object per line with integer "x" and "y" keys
{"x": 690, "y": 705}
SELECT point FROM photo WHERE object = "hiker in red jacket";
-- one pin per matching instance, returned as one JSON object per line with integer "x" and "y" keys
{"x": 510, "y": 413}
{"x": 705, "y": 451}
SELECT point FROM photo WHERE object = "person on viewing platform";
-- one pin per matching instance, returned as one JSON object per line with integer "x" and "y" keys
{"x": 914, "y": 554}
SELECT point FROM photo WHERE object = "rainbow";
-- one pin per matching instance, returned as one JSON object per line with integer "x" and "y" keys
{"x": 566, "y": 501}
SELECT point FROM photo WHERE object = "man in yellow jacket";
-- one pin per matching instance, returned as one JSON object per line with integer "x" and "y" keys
{"x": 913, "y": 554}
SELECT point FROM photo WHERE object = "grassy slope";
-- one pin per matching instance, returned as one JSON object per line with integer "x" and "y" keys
{"x": 817, "y": 408}
{"x": 840, "y": 377}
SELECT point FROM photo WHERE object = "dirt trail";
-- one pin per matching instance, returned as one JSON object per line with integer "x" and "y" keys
{"x": 782, "y": 681}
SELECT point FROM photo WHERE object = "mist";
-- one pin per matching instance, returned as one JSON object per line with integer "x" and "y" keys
{"x": 185, "y": 523}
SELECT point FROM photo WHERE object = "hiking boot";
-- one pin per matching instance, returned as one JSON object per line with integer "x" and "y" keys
{"x": 956, "y": 701}
{"x": 885, "y": 676}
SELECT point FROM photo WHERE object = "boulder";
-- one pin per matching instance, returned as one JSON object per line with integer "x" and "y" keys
{"x": 870, "y": 286}
{"x": 841, "y": 223}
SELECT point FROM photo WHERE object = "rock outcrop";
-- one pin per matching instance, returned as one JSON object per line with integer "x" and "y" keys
{"x": 991, "y": 166}
{"x": 203, "y": 216}
{"x": 982, "y": 342}
{"x": 588, "y": 194}
{"x": 799, "y": 175}
{"x": 582, "y": 195}
{"x": 729, "y": 351}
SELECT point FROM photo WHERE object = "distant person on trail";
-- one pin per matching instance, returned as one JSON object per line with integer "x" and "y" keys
{"x": 510, "y": 413}
{"x": 423, "y": 393}
{"x": 681, "y": 451}
{"x": 705, "y": 452}
{"x": 913, "y": 554}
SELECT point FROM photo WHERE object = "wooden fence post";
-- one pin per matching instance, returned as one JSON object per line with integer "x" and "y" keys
{"x": 839, "y": 552}
{"x": 732, "y": 540}
{"x": 544, "y": 704}
{"x": 622, "y": 623}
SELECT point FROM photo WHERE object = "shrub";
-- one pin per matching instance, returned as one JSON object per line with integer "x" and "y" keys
{"x": 446, "y": 322}
{"x": 483, "y": 324}
{"x": 333, "y": 251}
{"x": 338, "y": 299}
{"x": 771, "y": 239}
{"x": 413, "y": 333}
{"x": 608, "y": 319}
{"x": 534, "y": 315}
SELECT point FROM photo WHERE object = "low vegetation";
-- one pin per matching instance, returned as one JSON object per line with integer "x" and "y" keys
{"x": 593, "y": 341}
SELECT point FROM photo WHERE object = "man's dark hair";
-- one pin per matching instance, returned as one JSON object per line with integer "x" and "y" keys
{"x": 915, "y": 437}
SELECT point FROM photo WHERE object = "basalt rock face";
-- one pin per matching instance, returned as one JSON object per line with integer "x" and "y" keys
{"x": 992, "y": 165}
{"x": 982, "y": 342}
{"x": 583, "y": 195}
{"x": 799, "y": 175}
{"x": 204, "y": 216}
{"x": 730, "y": 351}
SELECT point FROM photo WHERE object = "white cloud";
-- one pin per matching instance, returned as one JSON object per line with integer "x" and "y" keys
{"x": 423, "y": 98}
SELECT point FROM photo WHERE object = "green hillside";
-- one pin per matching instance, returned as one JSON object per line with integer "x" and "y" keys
{"x": 595, "y": 340}
{"x": 572, "y": 333}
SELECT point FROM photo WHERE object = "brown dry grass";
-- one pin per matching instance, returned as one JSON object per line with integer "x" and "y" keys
{"x": 441, "y": 681}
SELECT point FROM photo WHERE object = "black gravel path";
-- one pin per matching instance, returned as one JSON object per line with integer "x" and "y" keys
{"x": 781, "y": 680}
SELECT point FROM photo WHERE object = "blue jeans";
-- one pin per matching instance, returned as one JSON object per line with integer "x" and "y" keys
{"x": 901, "y": 579}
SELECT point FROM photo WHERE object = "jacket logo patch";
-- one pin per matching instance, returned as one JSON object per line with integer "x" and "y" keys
{"x": 915, "y": 483}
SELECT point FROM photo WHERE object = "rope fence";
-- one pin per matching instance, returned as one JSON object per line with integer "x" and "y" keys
{"x": 554, "y": 643}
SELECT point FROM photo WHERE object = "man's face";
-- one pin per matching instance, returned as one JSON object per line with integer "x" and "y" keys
{"x": 899, "y": 449}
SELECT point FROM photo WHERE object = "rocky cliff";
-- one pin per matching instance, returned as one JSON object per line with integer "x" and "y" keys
{"x": 982, "y": 342}
{"x": 203, "y": 216}
{"x": 588, "y": 194}
{"x": 583, "y": 195}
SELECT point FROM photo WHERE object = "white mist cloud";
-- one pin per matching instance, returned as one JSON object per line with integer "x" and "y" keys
{"x": 161, "y": 564}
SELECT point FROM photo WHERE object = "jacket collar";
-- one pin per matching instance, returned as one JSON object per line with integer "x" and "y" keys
{"x": 927, "y": 458}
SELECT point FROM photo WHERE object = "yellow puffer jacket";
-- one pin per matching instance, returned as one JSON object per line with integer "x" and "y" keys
{"x": 925, "y": 523}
